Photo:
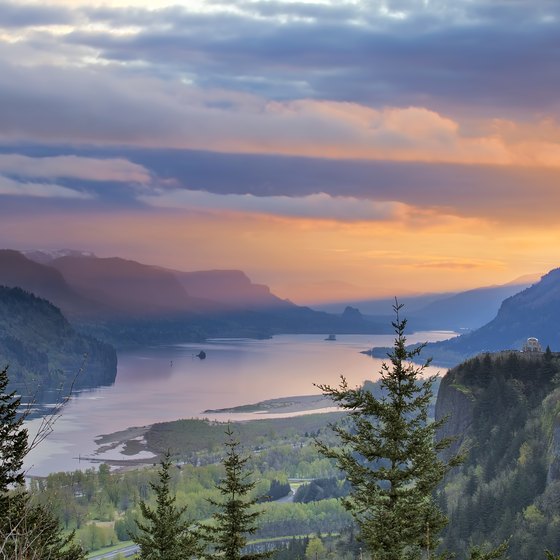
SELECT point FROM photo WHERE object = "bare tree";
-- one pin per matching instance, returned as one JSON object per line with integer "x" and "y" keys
{"x": 27, "y": 531}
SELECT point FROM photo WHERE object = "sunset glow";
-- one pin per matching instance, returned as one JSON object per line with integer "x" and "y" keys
{"x": 331, "y": 150}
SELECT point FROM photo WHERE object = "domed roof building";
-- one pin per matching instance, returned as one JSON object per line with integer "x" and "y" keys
{"x": 532, "y": 345}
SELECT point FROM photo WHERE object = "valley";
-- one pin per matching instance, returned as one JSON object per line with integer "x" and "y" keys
{"x": 161, "y": 396}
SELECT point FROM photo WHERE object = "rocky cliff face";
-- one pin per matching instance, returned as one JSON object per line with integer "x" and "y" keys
{"x": 455, "y": 403}
{"x": 553, "y": 473}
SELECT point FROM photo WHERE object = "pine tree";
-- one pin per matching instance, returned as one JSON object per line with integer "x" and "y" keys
{"x": 165, "y": 535}
{"x": 390, "y": 457}
{"x": 13, "y": 437}
{"x": 236, "y": 516}
{"x": 27, "y": 531}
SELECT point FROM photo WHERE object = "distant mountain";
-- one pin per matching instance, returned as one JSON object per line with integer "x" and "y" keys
{"x": 128, "y": 303}
{"x": 45, "y": 257}
{"x": 232, "y": 288}
{"x": 125, "y": 286}
{"x": 130, "y": 287}
{"x": 444, "y": 311}
{"x": 384, "y": 306}
{"x": 16, "y": 270}
{"x": 531, "y": 312}
{"x": 44, "y": 351}
{"x": 466, "y": 310}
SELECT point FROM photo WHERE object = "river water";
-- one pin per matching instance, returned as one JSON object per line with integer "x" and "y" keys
{"x": 168, "y": 382}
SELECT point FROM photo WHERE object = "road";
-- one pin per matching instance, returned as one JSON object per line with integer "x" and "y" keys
{"x": 125, "y": 552}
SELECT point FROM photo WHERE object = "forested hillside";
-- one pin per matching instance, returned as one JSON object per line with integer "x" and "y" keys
{"x": 532, "y": 312}
{"x": 43, "y": 350}
{"x": 504, "y": 408}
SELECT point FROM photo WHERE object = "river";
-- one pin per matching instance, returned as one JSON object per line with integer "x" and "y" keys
{"x": 165, "y": 383}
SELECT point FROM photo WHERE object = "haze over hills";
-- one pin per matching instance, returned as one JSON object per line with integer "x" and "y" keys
{"x": 126, "y": 286}
{"x": 467, "y": 310}
{"x": 531, "y": 312}
{"x": 16, "y": 270}
{"x": 129, "y": 303}
{"x": 230, "y": 287}
{"x": 446, "y": 311}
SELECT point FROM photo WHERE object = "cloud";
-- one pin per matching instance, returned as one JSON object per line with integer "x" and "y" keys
{"x": 396, "y": 80}
{"x": 9, "y": 187}
{"x": 459, "y": 264}
{"x": 147, "y": 112}
{"x": 90, "y": 169}
{"x": 497, "y": 193}
{"x": 21, "y": 15}
{"x": 319, "y": 206}
{"x": 446, "y": 56}
{"x": 375, "y": 53}
{"x": 346, "y": 189}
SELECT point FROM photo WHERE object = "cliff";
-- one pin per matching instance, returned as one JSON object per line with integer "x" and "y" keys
{"x": 231, "y": 288}
{"x": 504, "y": 410}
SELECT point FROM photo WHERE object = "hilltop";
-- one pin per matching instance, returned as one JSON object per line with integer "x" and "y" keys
{"x": 44, "y": 351}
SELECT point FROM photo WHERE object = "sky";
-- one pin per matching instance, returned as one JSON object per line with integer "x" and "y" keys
{"x": 330, "y": 149}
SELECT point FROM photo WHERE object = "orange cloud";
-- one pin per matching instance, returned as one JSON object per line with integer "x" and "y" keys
{"x": 147, "y": 112}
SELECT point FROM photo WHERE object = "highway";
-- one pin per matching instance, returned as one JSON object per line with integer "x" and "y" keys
{"x": 125, "y": 552}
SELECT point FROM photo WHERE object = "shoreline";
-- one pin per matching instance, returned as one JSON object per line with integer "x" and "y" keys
{"x": 130, "y": 442}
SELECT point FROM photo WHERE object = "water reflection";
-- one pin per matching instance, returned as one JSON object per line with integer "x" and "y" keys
{"x": 167, "y": 382}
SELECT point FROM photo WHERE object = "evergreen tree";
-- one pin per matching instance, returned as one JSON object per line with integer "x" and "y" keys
{"x": 477, "y": 553}
{"x": 27, "y": 531}
{"x": 13, "y": 437}
{"x": 165, "y": 535}
{"x": 236, "y": 516}
{"x": 390, "y": 457}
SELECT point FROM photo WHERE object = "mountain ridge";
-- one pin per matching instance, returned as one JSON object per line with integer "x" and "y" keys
{"x": 42, "y": 348}
{"x": 128, "y": 304}
{"x": 533, "y": 312}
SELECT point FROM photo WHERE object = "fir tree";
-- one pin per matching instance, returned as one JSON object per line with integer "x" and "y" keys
{"x": 165, "y": 535}
{"x": 236, "y": 516}
{"x": 27, "y": 531}
{"x": 13, "y": 437}
{"x": 390, "y": 457}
